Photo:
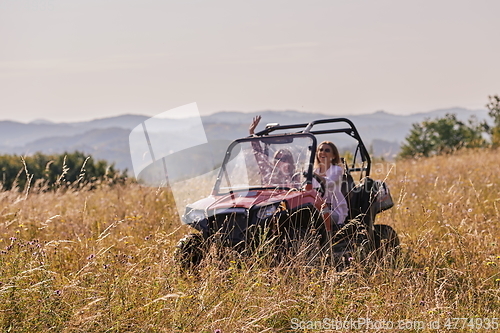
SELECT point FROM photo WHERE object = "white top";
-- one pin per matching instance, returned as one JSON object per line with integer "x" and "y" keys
{"x": 333, "y": 191}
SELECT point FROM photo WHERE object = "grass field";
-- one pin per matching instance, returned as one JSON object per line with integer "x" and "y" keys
{"x": 101, "y": 261}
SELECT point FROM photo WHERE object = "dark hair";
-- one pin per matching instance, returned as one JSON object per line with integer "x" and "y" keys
{"x": 335, "y": 160}
{"x": 287, "y": 157}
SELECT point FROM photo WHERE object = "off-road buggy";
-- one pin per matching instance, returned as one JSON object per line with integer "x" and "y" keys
{"x": 244, "y": 212}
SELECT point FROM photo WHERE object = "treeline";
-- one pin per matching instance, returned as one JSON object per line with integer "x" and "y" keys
{"x": 448, "y": 134}
{"x": 48, "y": 172}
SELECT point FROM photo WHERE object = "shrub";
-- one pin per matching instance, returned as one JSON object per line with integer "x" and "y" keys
{"x": 55, "y": 171}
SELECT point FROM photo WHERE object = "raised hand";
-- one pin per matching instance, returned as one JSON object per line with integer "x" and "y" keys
{"x": 254, "y": 124}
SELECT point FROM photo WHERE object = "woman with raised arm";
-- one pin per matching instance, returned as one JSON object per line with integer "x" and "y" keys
{"x": 328, "y": 170}
{"x": 278, "y": 173}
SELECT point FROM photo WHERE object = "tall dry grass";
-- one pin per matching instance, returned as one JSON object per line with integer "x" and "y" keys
{"x": 101, "y": 261}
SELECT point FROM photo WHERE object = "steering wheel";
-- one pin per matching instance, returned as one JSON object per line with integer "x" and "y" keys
{"x": 322, "y": 189}
{"x": 296, "y": 179}
{"x": 296, "y": 176}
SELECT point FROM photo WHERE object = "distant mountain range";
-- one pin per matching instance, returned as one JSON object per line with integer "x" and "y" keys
{"x": 107, "y": 138}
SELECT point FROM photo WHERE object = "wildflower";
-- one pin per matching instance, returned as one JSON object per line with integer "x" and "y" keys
{"x": 13, "y": 238}
{"x": 469, "y": 210}
{"x": 90, "y": 257}
{"x": 422, "y": 302}
{"x": 491, "y": 263}
{"x": 58, "y": 292}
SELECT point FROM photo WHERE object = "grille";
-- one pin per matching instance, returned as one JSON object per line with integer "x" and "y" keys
{"x": 231, "y": 225}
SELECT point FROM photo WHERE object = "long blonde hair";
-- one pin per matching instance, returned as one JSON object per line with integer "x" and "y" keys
{"x": 335, "y": 160}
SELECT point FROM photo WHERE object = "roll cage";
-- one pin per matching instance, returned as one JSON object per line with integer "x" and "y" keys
{"x": 350, "y": 130}
{"x": 280, "y": 133}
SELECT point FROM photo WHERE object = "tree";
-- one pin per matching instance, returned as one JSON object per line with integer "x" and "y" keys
{"x": 418, "y": 142}
{"x": 442, "y": 136}
{"x": 55, "y": 171}
{"x": 494, "y": 112}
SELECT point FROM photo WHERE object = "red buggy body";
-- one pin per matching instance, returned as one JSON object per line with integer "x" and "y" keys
{"x": 251, "y": 201}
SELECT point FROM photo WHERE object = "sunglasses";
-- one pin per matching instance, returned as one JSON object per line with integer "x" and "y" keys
{"x": 326, "y": 150}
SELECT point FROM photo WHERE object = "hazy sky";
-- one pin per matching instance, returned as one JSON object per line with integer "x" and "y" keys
{"x": 78, "y": 60}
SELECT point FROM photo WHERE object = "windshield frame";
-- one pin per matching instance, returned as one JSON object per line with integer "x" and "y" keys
{"x": 288, "y": 136}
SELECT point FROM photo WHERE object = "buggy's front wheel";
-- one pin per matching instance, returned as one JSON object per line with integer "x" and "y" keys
{"x": 189, "y": 251}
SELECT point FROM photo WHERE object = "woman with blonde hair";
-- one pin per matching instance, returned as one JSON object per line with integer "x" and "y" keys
{"x": 328, "y": 169}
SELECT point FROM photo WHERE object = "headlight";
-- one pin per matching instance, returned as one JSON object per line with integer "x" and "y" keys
{"x": 268, "y": 211}
{"x": 193, "y": 215}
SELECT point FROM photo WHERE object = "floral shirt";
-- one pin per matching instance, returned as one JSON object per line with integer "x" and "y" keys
{"x": 270, "y": 173}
